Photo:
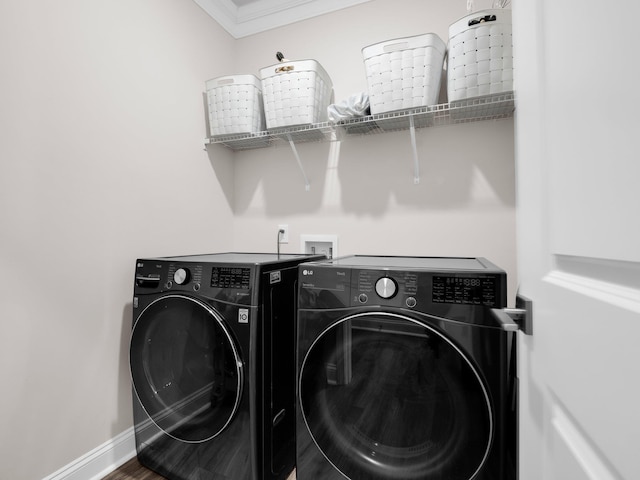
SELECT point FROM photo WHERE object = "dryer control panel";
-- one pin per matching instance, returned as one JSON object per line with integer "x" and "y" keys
{"x": 407, "y": 288}
{"x": 355, "y": 281}
{"x": 465, "y": 290}
{"x": 392, "y": 288}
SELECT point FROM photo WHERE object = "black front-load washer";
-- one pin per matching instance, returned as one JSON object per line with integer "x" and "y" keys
{"x": 212, "y": 359}
{"x": 403, "y": 371}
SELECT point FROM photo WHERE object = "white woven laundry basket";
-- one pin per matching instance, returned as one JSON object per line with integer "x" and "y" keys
{"x": 235, "y": 105}
{"x": 404, "y": 73}
{"x": 295, "y": 93}
{"x": 480, "y": 55}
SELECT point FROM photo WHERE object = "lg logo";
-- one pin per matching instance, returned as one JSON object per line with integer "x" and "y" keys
{"x": 307, "y": 272}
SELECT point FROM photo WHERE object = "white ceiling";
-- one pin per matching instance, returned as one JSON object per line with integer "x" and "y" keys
{"x": 246, "y": 17}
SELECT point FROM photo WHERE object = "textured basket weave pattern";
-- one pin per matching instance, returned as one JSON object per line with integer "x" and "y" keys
{"x": 406, "y": 79}
{"x": 296, "y": 97}
{"x": 234, "y": 108}
{"x": 481, "y": 59}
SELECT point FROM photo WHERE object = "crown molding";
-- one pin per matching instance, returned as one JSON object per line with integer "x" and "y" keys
{"x": 256, "y": 17}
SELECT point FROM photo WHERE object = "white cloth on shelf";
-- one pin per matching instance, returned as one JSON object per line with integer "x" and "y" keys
{"x": 357, "y": 105}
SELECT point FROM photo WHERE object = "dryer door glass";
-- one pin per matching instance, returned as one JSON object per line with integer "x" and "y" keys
{"x": 386, "y": 397}
{"x": 185, "y": 367}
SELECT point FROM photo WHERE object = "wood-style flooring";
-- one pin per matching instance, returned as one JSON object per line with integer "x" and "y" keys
{"x": 132, "y": 470}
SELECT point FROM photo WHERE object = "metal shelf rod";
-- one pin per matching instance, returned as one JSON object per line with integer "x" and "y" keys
{"x": 307, "y": 186}
{"x": 416, "y": 160}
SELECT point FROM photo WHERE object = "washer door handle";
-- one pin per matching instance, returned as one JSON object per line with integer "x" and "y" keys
{"x": 514, "y": 319}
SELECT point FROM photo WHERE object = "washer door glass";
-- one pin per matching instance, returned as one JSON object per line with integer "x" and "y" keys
{"x": 386, "y": 397}
{"x": 185, "y": 367}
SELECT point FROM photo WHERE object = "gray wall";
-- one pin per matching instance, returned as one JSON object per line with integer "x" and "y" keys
{"x": 362, "y": 188}
{"x": 102, "y": 161}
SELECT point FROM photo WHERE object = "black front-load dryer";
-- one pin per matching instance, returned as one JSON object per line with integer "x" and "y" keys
{"x": 403, "y": 371}
{"x": 212, "y": 359}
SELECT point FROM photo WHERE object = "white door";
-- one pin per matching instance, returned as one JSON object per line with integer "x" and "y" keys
{"x": 578, "y": 174}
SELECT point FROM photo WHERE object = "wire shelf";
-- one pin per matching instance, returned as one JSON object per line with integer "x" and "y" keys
{"x": 488, "y": 107}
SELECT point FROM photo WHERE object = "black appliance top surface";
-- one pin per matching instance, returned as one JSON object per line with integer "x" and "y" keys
{"x": 239, "y": 258}
{"x": 421, "y": 263}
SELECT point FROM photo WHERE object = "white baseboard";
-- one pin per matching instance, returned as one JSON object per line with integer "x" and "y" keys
{"x": 100, "y": 461}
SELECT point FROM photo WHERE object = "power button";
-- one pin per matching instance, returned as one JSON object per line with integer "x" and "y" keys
{"x": 411, "y": 302}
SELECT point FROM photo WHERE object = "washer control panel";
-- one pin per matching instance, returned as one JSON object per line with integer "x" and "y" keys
{"x": 234, "y": 283}
{"x": 184, "y": 275}
{"x": 408, "y": 288}
{"x": 231, "y": 277}
{"x": 334, "y": 286}
{"x": 231, "y": 282}
{"x": 465, "y": 290}
{"x": 380, "y": 287}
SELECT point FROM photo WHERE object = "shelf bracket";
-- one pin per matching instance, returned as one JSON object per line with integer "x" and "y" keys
{"x": 295, "y": 154}
{"x": 416, "y": 162}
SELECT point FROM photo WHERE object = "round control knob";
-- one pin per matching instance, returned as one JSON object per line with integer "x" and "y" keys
{"x": 181, "y": 276}
{"x": 386, "y": 287}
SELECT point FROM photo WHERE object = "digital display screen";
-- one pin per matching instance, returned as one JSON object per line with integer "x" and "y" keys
{"x": 479, "y": 290}
{"x": 231, "y": 277}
